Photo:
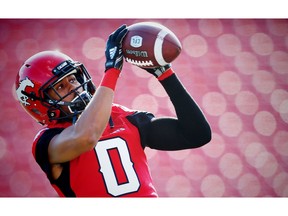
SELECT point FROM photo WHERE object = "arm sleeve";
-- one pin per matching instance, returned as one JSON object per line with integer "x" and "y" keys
{"x": 189, "y": 130}
{"x": 41, "y": 151}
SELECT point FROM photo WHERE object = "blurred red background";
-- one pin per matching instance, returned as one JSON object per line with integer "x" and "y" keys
{"x": 236, "y": 70}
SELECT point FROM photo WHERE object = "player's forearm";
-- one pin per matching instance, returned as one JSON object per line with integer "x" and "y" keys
{"x": 85, "y": 133}
{"x": 94, "y": 119}
{"x": 188, "y": 112}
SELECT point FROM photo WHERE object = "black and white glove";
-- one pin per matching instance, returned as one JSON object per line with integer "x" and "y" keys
{"x": 113, "y": 52}
{"x": 158, "y": 71}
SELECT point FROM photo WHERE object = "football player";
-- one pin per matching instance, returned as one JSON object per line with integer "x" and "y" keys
{"x": 90, "y": 146}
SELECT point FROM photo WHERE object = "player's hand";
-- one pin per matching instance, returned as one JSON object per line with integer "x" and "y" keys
{"x": 158, "y": 71}
{"x": 113, "y": 52}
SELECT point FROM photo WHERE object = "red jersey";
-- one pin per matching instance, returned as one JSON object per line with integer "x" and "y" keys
{"x": 116, "y": 167}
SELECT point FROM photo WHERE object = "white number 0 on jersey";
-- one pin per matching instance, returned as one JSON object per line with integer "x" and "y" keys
{"x": 106, "y": 167}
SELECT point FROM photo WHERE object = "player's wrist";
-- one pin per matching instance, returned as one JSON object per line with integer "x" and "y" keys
{"x": 110, "y": 78}
{"x": 166, "y": 74}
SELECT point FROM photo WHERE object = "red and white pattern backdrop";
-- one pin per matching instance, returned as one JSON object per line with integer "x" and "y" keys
{"x": 236, "y": 69}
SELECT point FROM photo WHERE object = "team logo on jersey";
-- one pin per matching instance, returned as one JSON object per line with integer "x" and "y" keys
{"x": 23, "y": 84}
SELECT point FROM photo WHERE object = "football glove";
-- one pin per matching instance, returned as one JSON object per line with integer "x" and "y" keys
{"x": 158, "y": 71}
{"x": 113, "y": 52}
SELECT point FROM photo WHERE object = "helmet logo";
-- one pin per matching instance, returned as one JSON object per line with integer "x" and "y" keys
{"x": 23, "y": 84}
{"x": 62, "y": 65}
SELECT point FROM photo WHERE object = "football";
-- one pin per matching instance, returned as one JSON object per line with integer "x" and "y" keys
{"x": 150, "y": 44}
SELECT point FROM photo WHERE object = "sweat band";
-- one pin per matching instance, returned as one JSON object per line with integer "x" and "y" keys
{"x": 110, "y": 78}
{"x": 166, "y": 74}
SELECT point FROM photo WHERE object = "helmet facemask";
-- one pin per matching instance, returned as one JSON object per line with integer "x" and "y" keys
{"x": 56, "y": 110}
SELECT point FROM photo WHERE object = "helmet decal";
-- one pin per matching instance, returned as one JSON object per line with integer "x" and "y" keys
{"x": 22, "y": 85}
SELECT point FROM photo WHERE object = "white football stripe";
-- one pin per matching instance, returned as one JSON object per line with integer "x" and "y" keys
{"x": 158, "y": 47}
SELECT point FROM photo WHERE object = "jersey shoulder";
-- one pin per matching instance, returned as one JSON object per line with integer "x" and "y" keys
{"x": 51, "y": 129}
{"x": 120, "y": 109}
{"x": 137, "y": 117}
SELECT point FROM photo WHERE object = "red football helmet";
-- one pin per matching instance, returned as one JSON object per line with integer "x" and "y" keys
{"x": 40, "y": 73}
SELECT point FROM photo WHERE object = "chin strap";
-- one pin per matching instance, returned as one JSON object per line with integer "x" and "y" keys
{"x": 76, "y": 106}
{"x": 79, "y": 103}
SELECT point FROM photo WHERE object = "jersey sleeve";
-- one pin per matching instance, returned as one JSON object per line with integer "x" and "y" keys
{"x": 41, "y": 150}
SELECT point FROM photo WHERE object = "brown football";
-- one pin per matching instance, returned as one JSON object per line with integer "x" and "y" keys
{"x": 150, "y": 44}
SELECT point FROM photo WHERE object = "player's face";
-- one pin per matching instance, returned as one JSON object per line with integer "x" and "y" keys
{"x": 65, "y": 86}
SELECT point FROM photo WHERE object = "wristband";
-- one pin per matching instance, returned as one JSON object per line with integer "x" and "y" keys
{"x": 110, "y": 78}
{"x": 166, "y": 74}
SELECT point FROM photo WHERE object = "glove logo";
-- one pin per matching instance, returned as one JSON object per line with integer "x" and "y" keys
{"x": 23, "y": 84}
{"x": 112, "y": 52}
